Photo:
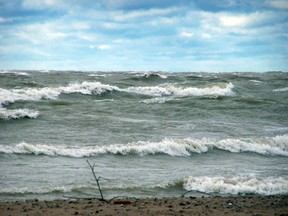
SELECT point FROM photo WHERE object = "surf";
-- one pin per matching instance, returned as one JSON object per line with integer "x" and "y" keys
{"x": 186, "y": 147}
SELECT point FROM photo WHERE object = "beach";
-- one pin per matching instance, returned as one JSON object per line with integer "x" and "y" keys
{"x": 217, "y": 205}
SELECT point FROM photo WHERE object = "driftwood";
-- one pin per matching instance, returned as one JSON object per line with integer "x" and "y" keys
{"x": 92, "y": 167}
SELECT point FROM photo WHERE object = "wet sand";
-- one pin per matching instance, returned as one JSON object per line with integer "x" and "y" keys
{"x": 238, "y": 205}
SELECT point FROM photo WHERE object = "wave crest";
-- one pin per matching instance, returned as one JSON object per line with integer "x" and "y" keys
{"x": 159, "y": 91}
{"x": 237, "y": 185}
{"x": 17, "y": 113}
{"x": 52, "y": 93}
{"x": 174, "y": 147}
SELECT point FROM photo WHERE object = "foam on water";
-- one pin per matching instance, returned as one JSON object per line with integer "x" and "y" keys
{"x": 237, "y": 185}
{"x": 88, "y": 88}
{"x": 97, "y": 88}
{"x": 17, "y": 113}
{"x": 250, "y": 184}
{"x": 158, "y": 91}
{"x": 174, "y": 147}
{"x": 42, "y": 190}
{"x": 14, "y": 72}
{"x": 52, "y": 93}
{"x": 151, "y": 75}
{"x": 281, "y": 89}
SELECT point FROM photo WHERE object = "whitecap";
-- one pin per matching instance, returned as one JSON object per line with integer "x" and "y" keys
{"x": 52, "y": 93}
{"x": 174, "y": 147}
{"x": 158, "y": 91}
{"x": 281, "y": 89}
{"x": 17, "y": 113}
{"x": 237, "y": 185}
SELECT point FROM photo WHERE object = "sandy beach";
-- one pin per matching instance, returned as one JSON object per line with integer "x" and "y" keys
{"x": 238, "y": 205}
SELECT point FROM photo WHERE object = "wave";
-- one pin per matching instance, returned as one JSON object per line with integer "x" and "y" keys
{"x": 52, "y": 93}
{"x": 174, "y": 147}
{"x": 281, "y": 90}
{"x": 172, "y": 90}
{"x": 148, "y": 75}
{"x": 17, "y": 113}
{"x": 44, "y": 190}
{"x": 20, "y": 73}
{"x": 97, "y": 88}
{"x": 97, "y": 75}
{"x": 206, "y": 184}
{"x": 158, "y": 100}
{"x": 237, "y": 185}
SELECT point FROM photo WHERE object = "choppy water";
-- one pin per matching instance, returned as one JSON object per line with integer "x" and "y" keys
{"x": 149, "y": 134}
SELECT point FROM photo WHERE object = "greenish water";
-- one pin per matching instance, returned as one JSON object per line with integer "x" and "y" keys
{"x": 149, "y": 134}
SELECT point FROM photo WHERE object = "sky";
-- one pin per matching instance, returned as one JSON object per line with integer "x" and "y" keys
{"x": 144, "y": 35}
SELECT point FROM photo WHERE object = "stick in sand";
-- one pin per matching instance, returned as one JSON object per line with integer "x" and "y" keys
{"x": 92, "y": 167}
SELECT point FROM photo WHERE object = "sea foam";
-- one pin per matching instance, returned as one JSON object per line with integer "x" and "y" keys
{"x": 17, "y": 113}
{"x": 281, "y": 89}
{"x": 169, "y": 90}
{"x": 174, "y": 147}
{"x": 98, "y": 88}
{"x": 52, "y": 93}
{"x": 237, "y": 185}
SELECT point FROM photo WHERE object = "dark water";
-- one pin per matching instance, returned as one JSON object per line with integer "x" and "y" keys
{"x": 149, "y": 134}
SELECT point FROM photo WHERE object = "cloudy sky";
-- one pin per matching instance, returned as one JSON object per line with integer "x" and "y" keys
{"x": 142, "y": 35}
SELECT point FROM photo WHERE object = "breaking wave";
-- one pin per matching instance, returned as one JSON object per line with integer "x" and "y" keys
{"x": 158, "y": 91}
{"x": 148, "y": 75}
{"x": 174, "y": 147}
{"x": 237, "y": 185}
{"x": 97, "y": 88}
{"x": 17, "y": 113}
{"x": 281, "y": 90}
{"x": 205, "y": 184}
{"x": 35, "y": 94}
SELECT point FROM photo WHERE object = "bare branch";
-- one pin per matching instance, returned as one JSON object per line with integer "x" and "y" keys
{"x": 96, "y": 179}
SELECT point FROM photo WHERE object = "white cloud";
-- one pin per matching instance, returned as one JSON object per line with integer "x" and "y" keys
{"x": 5, "y": 20}
{"x": 279, "y": 4}
{"x": 2, "y": 20}
{"x": 244, "y": 24}
{"x": 85, "y": 36}
{"x": 105, "y": 47}
{"x": 234, "y": 21}
{"x": 39, "y": 4}
{"x": 121, "y": 16}
{"x": 80, "y": 26}
{"x": 244, "y": 19}
{"x": 186, "y": 34}
{"x": 206, "y": 35}
{"x": 119, "y": 40}
{"x": 40, "y": 33}
{"x": 163, "y": 21}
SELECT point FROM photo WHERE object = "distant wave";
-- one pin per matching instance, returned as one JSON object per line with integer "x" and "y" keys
{"x": 148, "y": 75}
{"x": 281, "y": 90}
{"x": 20, "y": 73}
{"x": 97, "y": 88}
{"x": 97, "y": 75}
{"x": 17, "y": 113}
{"x": 238, "y": 185}
{"x": 157, "y": 91}
{"x": 52, "y": 93}
{"x": 174, "y": 147}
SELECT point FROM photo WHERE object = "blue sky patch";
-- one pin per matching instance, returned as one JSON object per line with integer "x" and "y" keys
{"x": 143, "y": 35}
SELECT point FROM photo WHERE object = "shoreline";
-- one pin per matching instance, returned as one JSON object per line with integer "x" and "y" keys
{"x": 216, "y": 205}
